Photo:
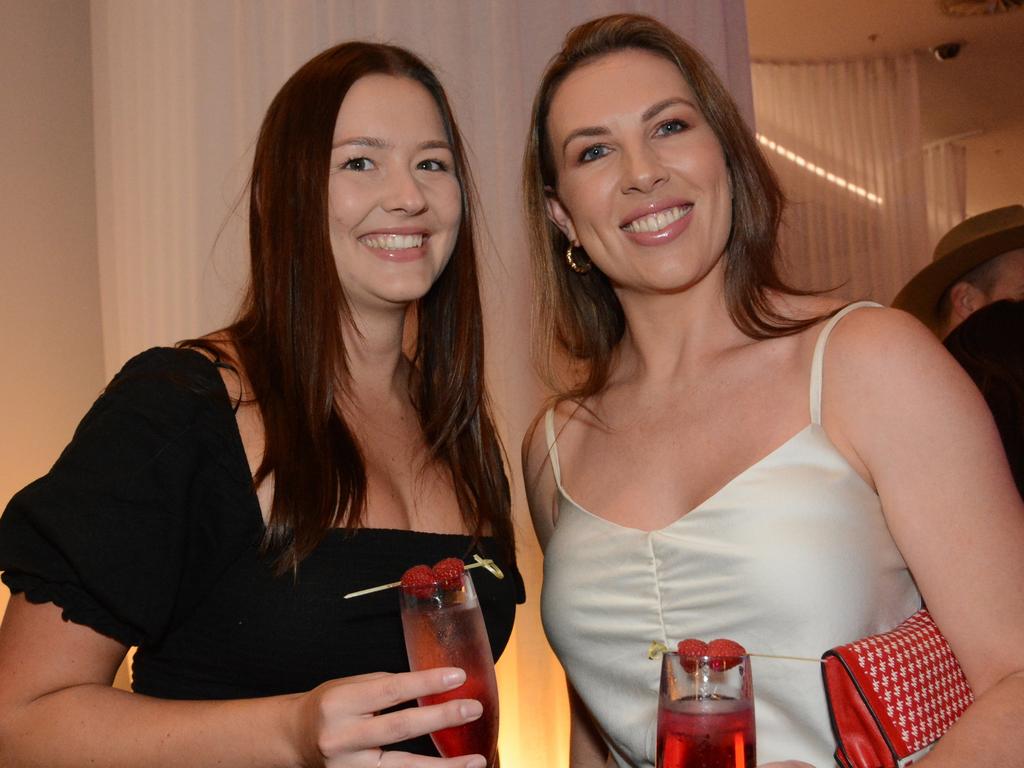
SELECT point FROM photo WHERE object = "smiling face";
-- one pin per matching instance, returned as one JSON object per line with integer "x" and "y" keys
{"x": 642, "y": 182}
{"x": 393, "y": 197}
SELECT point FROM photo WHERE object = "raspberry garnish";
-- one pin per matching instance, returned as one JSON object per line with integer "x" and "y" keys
{"x": 724, "y": 653}
{"x": 448, "y": 573}
{"x": 419, "y": 581}
{"x": 690, "y": 650}
{"x": 692, "y": 647}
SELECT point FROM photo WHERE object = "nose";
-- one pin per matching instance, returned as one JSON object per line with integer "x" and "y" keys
{"x": 643, "y": 170}
{"x": 403, "y": 194}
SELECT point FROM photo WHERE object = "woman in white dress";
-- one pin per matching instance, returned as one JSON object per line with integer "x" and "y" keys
{"x": 726, "y": 456}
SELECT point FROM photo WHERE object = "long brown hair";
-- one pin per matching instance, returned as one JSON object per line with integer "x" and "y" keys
{"x": 288, "y": 333}
{"x": 580, "y": 315}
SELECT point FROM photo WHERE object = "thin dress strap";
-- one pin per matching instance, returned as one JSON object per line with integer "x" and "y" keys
{"x": 817, "y": 362}
{"x": 549, "y": 431}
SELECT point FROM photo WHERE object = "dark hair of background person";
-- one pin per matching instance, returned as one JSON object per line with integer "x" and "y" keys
{"x": 580, "y": 314}
{"x": 990, "y": 346}
{"x": 288, "y": 333}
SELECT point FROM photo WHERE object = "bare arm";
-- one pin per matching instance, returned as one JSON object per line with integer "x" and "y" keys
{"x": 586, "y": 748}
{"x": 923, "y": 433}
{"x": 57, "y": 709}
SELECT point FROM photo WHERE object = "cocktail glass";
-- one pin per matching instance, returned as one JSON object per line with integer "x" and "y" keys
{"x": 706, "y": 712}
{"x": 444, "y": 628}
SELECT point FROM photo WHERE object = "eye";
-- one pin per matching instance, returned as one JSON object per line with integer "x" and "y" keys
{"x": 358, "y": 164}
{"x": 433, "y": 165}
{"x": 593, "y": 153}
{"x": 670, "y": 127}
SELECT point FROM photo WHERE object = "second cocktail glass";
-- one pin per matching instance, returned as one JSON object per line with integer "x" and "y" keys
{"x": 706, "y": 712}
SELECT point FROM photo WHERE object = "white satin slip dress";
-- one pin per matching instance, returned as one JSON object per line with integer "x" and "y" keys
{"x": 791, "y": 557}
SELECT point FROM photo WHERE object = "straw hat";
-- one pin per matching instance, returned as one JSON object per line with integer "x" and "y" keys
{"x": 969, "y": 244}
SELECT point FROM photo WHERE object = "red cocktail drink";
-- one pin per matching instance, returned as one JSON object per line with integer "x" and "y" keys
{"x": 706, "y": 734}
{"x": 447, "y": 629}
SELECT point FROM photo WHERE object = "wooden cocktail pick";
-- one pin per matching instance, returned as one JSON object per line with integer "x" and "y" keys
{"x": 657, "y": 648}
{"x": 481, "y": 562}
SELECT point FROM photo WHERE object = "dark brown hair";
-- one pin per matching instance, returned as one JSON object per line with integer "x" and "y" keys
{"x": 580, "y": 315}
{"x": 990, "y": 346}
{"x": 288, "y": 333}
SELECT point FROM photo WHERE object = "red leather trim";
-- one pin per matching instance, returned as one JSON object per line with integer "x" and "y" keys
{"x": 860, "y": 737}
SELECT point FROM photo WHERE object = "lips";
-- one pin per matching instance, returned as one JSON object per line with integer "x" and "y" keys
{"x": 654, "y": 222}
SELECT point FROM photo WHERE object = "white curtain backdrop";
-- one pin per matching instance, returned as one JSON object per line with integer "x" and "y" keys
{"x": 179, "y": 91}
{"x": 945, "y": 183}
{"x": 845, "y": 140}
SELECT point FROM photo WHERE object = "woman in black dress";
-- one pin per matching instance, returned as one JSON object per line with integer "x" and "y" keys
{"x": 221, "y": 496}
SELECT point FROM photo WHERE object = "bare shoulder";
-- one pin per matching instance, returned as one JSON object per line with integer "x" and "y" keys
{"x": 890, "y": 391}
{"x": 538, "y": 473}
{"x": 534, "y": 450}
{"x": 536, "y": 478}
{"x": 873, "y": 325}
{"x": 884, "y": 371}
{"x": 895, "y": 397}
{"x": 881, "y": 349}
{"x": 537, "y": 448}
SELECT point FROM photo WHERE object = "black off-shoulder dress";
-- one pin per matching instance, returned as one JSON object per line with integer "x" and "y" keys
{"x": 147, "y": 529}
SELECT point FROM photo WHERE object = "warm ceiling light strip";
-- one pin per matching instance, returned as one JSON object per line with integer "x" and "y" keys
{"x": 810, "y": 167}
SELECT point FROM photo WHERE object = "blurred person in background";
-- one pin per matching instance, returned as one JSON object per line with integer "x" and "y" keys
{"x": 978, "y": 261}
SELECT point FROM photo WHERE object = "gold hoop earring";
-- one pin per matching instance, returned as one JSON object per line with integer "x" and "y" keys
{"x": 579, "y": 269}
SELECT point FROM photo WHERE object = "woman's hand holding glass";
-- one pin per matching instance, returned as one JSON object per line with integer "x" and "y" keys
{"x": 339, "y": 725}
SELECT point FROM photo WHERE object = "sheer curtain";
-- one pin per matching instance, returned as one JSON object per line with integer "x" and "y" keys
{"x": 845, "y": 140}
{"x": 179, "y": 91}
{"x": 945, "y": 183}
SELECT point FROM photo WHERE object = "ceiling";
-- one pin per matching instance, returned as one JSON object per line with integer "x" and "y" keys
{"x": 977, "y": 96}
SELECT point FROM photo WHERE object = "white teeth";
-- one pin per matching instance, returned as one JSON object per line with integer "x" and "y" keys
{"x": 392, "y": 242}
{"x": 652, "y": 222}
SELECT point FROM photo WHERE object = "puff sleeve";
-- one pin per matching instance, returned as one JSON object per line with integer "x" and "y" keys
{"x": 137, "y": 513}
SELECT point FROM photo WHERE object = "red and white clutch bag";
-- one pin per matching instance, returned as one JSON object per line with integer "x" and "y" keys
{"x": 891, "y": 696}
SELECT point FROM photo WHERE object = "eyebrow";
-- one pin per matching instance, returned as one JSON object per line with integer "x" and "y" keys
{"x": 375, "y": 143}
{"x": 436, "y": 144}
{"x": 648, "y": 113}
{"x": 361, "y": 141}
{"x": 664, "y": 104}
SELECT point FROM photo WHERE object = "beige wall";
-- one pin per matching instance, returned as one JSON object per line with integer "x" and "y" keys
{"x": 49, "y": 312}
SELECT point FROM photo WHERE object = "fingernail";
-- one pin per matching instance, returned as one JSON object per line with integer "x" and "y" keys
{"x": 454, "y": 677}
{"x": 477, "y": 762}
{"x": 471, "y": 709}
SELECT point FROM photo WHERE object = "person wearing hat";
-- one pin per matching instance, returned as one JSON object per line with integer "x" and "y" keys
{"x": 979, "y": 261}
